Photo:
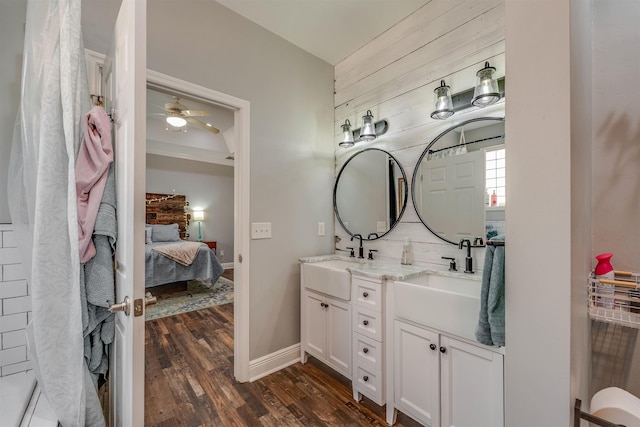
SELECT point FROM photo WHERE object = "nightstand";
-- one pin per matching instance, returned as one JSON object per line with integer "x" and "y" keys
{"x": 212, "y": 245}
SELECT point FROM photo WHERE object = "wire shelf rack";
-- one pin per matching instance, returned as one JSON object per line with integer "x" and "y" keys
{"x": 615, "y": 300}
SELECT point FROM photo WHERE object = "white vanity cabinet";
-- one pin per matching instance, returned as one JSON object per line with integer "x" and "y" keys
{"x": 443, "y": 381}
{"x": 326, "y": 330}
{"x": 368, "y": 338}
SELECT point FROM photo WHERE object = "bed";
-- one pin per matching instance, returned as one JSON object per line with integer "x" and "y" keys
{"x": 167, "y": 221}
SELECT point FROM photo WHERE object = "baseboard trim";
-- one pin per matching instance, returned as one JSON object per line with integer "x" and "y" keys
{"x": 265, "y": 365}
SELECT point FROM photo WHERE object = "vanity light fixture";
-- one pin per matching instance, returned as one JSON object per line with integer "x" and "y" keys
{"x": 486, "y": 91}
{"x": 347, "y": 135}
{"x": 443, "y": 103}
{"x": 368, "y": 130}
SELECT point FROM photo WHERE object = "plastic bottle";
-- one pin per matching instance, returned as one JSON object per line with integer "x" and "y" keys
{"x": 494, "y": 199}
{"x": 406, "y": 253}
{"x": 604, "y": 270}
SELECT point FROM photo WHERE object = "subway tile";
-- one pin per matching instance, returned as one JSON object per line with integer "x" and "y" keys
{"x": 13, "y": 339}
{"x": 13, "y": 355}
{"x": 9, "y": 239}
{"x": 16, "y": 305}
{"x": 6, "y": 227}
{"x": 9, "y": 256}
{"x": 13, "y": 322}
{"x": 17, "y": 288}
{"x": 29, "y": 316}
{"x": 15, "y": 368}
{"x": 13, "y": 272}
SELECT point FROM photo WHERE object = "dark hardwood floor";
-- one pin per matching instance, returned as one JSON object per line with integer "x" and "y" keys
{"x": 189, "y": 382}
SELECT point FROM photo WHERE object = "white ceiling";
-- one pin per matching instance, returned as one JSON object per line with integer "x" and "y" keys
{"x": 328, "y": 29}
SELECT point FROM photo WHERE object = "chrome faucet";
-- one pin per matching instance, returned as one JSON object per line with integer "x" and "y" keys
{"x": 468, "y": 261}
{"x": 360, "y": 249}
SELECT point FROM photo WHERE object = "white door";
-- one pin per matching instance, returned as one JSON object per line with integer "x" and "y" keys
{"x": 124, "y": 79}
{"x": 339, "y": 335}
{"x": 417, "y": 373}
{"x": 314, "y": 329}
{"x": 472, "y": 385}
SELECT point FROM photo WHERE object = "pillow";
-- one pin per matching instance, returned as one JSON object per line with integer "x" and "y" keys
{"x": 165, "y": 233}
{"x": 148, "y": 232}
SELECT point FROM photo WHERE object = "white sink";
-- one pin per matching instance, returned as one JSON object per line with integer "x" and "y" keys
{"x": 450, "y": 304}
{"x": 330, "y": 277}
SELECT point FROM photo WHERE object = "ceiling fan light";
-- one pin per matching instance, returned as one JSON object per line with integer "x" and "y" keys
{"x": 368, "y": 130}
{"x": 176, "y": 121}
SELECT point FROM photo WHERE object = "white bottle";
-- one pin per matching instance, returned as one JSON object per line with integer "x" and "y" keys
{"x": 406, "y": 258}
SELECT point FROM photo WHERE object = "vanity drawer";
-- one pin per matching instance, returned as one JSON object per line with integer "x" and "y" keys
{"x": 367, "y": 352}
{"x": 367, "y": 294}
{"x": 369, "y": 382}
{"x": 367, "y": 322}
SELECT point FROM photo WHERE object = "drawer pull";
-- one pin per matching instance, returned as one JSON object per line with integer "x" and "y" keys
{"x": 365, "y": 350}
{"x": 432, "y": 346}
{"x": 324, "y": 305}
{"x": 365, "y": 322}
{"x": 365, "y": 294}
{"x": 443, "y": 350}
{"x": 365, "y": 378}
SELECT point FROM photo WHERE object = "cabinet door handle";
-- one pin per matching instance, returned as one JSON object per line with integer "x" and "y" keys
{"x": 324, "y": 305}
{"x": 365, "y": 378}
{"x": 365, "y": 322}
{"x": 443, "y": 350}
{"x": 433, "y": 346}
{"x": 365, "y": 294}
{"x": 365, "y": 350}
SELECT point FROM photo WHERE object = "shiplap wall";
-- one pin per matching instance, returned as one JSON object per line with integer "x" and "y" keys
{"x": 15, "y": 306}
{"x": 394, "y": 76}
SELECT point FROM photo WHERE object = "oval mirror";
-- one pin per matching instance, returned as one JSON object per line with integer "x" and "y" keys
{"x": 458, "y": 186}
{"x": 370, "y": 193}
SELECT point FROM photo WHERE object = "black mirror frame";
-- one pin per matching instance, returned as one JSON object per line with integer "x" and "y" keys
{"x": 422, "y": 156}
{"x": 404, "y": 203}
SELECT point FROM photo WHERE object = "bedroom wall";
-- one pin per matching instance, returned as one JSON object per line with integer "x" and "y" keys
{"x": 291, "y": 158}
{"x": 207, "y": 186}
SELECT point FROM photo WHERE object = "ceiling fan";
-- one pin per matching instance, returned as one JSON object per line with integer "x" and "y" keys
{"x": 178, "y": 115}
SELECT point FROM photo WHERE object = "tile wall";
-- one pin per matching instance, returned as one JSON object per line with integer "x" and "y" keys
{"x": 15, "y": 306}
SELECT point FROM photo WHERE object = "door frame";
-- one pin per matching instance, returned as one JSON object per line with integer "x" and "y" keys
{"x": 241, "y": 201}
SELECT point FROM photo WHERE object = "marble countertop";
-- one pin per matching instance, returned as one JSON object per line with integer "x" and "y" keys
{"x": 387, "y": 270}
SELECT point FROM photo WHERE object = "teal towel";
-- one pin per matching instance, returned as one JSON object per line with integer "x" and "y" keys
{"x": 490, "y": 329}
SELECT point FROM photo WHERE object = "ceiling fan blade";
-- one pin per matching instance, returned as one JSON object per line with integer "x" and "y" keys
{"x": 202, "y": 124}
{"x": 194, "y": 113}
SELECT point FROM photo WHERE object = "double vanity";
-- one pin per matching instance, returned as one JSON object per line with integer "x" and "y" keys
{"x": 405, "y": 337}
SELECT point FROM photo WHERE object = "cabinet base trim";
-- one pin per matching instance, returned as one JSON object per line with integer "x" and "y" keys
{"x": 265, "y": 365}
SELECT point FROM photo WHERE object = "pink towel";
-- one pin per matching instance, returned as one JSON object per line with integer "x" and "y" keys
{"x": 92, "y": 166}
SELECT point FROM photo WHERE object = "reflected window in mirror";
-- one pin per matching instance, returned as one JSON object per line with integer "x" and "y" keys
{"x": 370, "y": 193}
{"x": 452, "y": 185}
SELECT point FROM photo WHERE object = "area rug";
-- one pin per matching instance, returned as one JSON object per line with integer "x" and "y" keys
{"x": 200, "y": 294}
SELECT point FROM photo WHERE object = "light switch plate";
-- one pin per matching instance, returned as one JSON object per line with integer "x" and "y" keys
{"x": 321, "y": 229}
{"x": 260, "y": 230}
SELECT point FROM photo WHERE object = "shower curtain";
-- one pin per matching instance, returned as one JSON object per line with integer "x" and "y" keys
{"x": 42, "y": 202}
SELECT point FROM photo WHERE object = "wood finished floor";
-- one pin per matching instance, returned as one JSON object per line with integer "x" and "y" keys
{"x": 189, "y": 382}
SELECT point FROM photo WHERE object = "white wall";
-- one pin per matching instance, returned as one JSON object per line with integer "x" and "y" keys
{"x": 616, "y": 174}
{"x": 12, "y": 19}
{"x": 290, "y": 92}
{"x": 394, "y": 76}
{"x": 207, "y": 186}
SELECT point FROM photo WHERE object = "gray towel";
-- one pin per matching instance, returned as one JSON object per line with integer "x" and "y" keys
{"x": 97, "y": 276}
{"x": 490, "y": 329}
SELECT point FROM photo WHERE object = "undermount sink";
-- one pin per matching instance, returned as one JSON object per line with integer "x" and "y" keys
{"x": 448, "y": 303}
{"x": 330, "y": 277}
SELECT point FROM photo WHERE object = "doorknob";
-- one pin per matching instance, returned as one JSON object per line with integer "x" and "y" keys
{"x": 149, "y": 299}
{"x": 124, "y": 306}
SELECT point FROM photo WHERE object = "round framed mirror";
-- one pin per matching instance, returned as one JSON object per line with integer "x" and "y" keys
{"x": 458, "y": 186}
{"x": 370, "y": 193}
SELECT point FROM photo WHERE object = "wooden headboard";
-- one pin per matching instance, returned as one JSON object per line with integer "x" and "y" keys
{"x": 168, "y": 209}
